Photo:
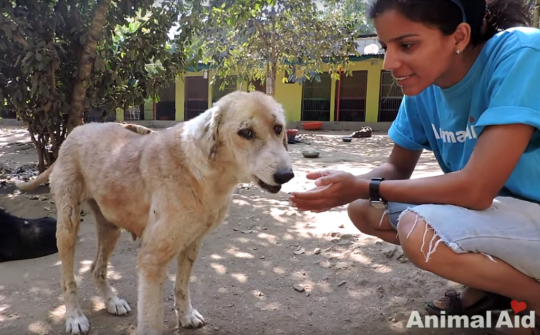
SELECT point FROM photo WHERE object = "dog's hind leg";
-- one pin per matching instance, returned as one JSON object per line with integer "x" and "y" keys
{"x": 67, "y": 195}
{"x": 107, "y": 238}
{"x": 187, "y": 316}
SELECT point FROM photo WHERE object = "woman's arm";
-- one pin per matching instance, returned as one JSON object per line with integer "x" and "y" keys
{"x": 400, "y": 165}
{"x": 495, "y": 156}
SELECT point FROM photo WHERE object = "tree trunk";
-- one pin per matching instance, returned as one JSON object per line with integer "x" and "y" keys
{"x": 271, "y": 68}
{"x": 270, "y": 80}
{"x": 85, "y": 64}
{"x": 273, "y": 75}
{"x": 40, "y": 138}
{"x": 536, "y": 17}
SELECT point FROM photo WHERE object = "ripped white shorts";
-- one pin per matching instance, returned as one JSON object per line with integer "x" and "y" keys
{"x": 508, "y": 230}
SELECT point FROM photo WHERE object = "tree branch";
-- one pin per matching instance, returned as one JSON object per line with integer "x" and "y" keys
{"x": 86, "y": 61}
{"x": 21, "y": 40}
{"x": 262, "y": 33}
{"x": 18, "y": 38}
{"x": 74, "y": 13}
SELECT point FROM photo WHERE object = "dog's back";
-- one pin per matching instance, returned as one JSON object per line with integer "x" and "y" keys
{"x": 22, "y": 238}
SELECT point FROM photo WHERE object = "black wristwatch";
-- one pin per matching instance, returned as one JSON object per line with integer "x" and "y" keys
{"x": 375, "y": 199}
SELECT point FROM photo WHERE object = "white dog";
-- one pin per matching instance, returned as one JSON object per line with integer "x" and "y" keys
{"x": 170, "y": 188}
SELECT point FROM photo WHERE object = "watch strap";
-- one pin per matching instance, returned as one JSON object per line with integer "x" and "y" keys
{"x": 374, "y": 193}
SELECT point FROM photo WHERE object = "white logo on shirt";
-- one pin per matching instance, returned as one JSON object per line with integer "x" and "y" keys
{"x": 453, "y": 137}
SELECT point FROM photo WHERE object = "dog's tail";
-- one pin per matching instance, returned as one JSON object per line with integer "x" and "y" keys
{"x": 34, "y": 183}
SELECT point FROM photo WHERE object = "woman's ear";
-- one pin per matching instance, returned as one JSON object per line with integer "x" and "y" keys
{"x": 462, "y": 37}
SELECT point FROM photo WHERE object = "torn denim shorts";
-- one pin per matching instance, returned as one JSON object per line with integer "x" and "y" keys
{"x": 509, "y": 230}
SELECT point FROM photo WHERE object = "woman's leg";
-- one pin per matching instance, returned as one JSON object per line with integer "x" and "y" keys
{"x": 507, "y": 232}
{"x": 368, "y": 220}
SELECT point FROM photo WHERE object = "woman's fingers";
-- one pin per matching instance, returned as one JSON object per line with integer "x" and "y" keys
{"x": 312, "y": 175}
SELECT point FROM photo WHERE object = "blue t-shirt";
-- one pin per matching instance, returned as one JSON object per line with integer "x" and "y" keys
{"x": 502, "y": 87}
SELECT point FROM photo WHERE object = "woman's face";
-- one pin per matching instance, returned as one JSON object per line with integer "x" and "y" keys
{"x": 417, "y": 55}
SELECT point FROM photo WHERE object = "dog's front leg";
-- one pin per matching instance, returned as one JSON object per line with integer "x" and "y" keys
{"x": 151, "y": 266}
{"x": 187, "y": 316}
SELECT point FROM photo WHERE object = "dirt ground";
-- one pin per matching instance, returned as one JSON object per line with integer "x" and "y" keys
{"x": 267, "y": 270}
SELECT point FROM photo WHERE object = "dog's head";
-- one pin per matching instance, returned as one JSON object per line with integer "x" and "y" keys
{"x": 248, "y": 130}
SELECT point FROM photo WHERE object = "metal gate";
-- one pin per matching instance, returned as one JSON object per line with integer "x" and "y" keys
{"x": 99, "y": 115}
{"x": 351, "y": 92}
{"x": 166, "y": 107}
{"x": 134, "y": 113}
{"x": 196, "y": 96}
{"x": 316, "y": 99}
{"x": 390, "y": 98}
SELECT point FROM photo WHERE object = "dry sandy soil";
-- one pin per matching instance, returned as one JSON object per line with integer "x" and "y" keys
{"x": 267, "y": 270}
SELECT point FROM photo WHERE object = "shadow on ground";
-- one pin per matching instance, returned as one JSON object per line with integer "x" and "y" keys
{"x": 267, "y": 270}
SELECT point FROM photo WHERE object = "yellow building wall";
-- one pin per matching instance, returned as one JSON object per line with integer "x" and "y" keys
{"x": 119, "y": 115}
{"x": 374, "y": 68}
{"x": 149, "y": 110}
{"x": 290, "y": 95}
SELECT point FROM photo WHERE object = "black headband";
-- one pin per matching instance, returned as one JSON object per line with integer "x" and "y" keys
{"x": 458, "y": 3}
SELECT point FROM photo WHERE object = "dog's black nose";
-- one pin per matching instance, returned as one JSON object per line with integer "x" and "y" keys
{"x": 283, "y": 176}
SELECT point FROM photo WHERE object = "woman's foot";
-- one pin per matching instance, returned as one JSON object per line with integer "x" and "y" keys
{"x": 469, "y": 296}
{"x": 470, "y": 301}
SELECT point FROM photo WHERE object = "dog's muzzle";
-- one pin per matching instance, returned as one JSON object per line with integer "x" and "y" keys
{"x": 283, "y": 176}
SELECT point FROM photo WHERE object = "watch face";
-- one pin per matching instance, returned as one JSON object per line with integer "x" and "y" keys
{"x": 378, "y": 205}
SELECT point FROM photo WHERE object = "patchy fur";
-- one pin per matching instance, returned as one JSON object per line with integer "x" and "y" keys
{"x": 169, "y": 188}
{"x": 142, "y": 130}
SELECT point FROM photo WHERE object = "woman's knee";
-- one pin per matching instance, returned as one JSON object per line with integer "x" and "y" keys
{"x": 359, "y": 214}
{"x": 420, "y": 242}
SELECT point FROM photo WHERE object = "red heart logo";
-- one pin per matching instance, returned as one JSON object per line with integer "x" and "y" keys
{"x": 518, "y": 306}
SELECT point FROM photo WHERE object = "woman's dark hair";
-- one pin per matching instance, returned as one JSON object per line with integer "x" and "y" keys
{"x": 446, "y": 15}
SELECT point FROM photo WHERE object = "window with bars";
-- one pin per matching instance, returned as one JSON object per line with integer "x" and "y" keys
{"x": 196, "y": 96}
{"x": 316, "y": 97}
{"x": 390, "y": 98}
{"x": 134, "y": 113}
{"x": 166, "y": 107}
{"x": 351, "y": 97}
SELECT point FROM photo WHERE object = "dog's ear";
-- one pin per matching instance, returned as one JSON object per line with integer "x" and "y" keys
{"x": 212, "y": 130}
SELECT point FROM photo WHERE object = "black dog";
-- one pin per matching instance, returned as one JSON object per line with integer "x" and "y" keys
{"x": 26, "y": 238}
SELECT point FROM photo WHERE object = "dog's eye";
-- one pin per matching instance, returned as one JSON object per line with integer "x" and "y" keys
{"x": 278, "y": 129}
{"x": 246, "y": 133}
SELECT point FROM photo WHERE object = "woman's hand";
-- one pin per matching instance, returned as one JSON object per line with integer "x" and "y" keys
{"x": 313, "y": 175}
{"x": 334, "y": 188}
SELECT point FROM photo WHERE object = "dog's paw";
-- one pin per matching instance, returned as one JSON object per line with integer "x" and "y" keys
{"x": 77, "y": 325}
{"x": 192, "y": 319}
{"x": 117, "y": 306}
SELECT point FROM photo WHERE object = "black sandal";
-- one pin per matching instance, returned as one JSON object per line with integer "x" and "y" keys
{"x": 492, "y": 302}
